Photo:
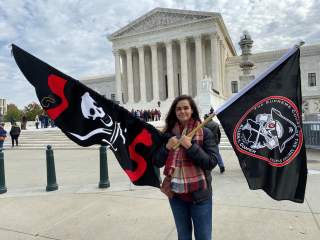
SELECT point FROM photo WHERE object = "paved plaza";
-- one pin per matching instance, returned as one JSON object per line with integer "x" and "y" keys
{"x": 79, "y": 210}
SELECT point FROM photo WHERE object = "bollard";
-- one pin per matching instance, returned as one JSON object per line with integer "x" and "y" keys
{"x": 104, "y": 176}
{"x": 51, "y": 172}
{"x": 3, "y": 188}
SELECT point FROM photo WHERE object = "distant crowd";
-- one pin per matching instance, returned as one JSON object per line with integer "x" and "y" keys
{"x": 43, "y": 121}
{"x": 147, "y": 115}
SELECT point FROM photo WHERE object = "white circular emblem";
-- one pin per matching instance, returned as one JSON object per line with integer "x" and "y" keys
{"x": 270, "y": 131}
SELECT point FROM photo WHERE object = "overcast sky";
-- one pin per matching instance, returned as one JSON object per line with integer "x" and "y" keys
{"x": 71, "y": 35}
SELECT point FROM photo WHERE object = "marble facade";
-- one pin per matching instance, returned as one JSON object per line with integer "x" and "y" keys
{"x": 166, "y": 52}
{"x": 3, "y": 106}
{"x": 309, "y": 63}
{"x": 103, "y": 84}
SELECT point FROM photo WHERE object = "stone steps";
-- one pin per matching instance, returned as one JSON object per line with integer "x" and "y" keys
{"x": 39, "y": 139}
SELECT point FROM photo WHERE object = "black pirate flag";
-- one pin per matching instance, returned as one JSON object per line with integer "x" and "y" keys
{"x": 263, "y": 123}
{"x": 88, "y": 118}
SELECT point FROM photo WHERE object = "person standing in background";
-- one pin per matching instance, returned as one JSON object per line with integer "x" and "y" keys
{"x": 41, "y": 119}
{"x": 215, "y": 129}
{"x": 15, "y": 133}
{"x": 3, "y": 135}
{"x": 24, "y": 122}
{"x": 37, "y": 121}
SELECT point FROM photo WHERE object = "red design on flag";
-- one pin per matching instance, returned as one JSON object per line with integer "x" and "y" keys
{"x": 56, "y": 85}
{"x": 145, "y": 138}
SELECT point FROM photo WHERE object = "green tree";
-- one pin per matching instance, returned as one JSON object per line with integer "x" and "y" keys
{"x": 13, "y": 113}
{"x": 31, "y": 110}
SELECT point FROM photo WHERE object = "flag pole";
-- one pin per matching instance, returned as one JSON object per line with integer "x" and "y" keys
{"x": 190, "y": 134}
{"x": 259, "y": 78}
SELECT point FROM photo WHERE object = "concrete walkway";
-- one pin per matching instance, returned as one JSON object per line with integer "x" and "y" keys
{"x": 81, "y": 211}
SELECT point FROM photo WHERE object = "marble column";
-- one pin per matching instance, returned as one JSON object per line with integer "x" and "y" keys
{"x": 184, "y": 66}
{"x": 124, "y": 77}
{"x": 199, "y": 58}
{"x": 155, "y": 72}
{"x": 148, "y": 73}
{"x": 129, "y": 75}
{"x": 142, "y": 71}
{"x": 118, "y": 75}
{"x": 222, "y": 68}
{"x": 136, "y": 75}
{"x": 170, "y": 69}
{"x": 215, "y": 56}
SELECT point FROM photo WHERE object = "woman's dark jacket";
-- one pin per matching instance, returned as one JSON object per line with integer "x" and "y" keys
{"x": 205, "y": 157}
{"x": 15, "y": 131}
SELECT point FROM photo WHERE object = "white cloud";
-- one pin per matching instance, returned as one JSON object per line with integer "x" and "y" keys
{"x": 71, "y": 35}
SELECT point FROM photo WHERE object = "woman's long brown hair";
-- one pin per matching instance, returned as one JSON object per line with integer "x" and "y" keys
{"x": 171, "y": 118}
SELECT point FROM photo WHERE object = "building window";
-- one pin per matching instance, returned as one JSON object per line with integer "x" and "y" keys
{"x": 113, "y": 96}
{"x": 312, "y": 79}
{"x": 234, "y": 86}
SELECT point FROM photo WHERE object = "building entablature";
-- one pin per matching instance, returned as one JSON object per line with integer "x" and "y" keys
{"x": 161, "y": 25}
{"x": 271, "y": 56}
{"x": 98, "y": 79}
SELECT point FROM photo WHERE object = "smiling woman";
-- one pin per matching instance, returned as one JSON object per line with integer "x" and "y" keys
{"x": 188, "y": 169}
{"x": 183, "y": 111}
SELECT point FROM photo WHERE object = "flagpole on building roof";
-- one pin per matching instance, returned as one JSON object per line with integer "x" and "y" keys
{"x": 251, "y": 84}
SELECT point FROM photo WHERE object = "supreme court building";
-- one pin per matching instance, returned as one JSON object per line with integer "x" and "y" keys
{"x": 169, "y": 52}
